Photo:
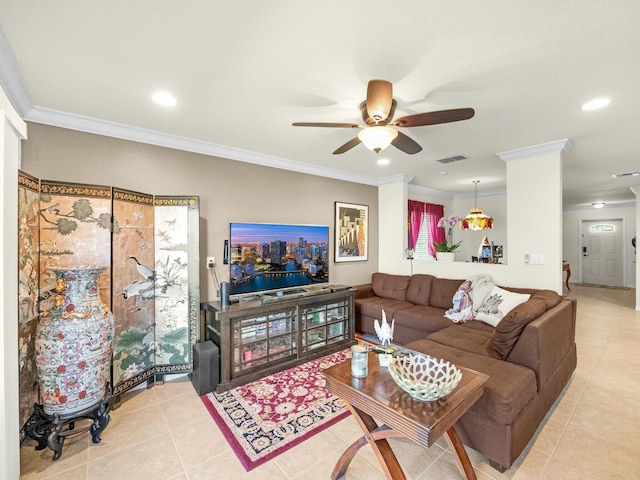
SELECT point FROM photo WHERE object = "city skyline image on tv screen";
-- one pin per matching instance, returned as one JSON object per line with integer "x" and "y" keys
{"x": 268, "y": 256}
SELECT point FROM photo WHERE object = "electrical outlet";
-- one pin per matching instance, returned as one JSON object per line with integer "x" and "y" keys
{"x": 211, "y": 262}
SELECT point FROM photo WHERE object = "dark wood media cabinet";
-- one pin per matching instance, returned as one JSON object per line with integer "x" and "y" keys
{"x": 259, "y": 337}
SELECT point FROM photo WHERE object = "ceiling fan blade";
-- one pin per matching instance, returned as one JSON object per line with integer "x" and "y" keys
{"x": 434, "y": 118}
{"x": 406, "y": 144}
{"x": 354, "y": 142}
{"x": 379, "y": 98}
{"x": 322, "y": 124}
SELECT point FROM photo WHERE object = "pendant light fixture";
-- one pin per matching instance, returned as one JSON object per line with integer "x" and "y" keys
{"x": 476, "y": 220}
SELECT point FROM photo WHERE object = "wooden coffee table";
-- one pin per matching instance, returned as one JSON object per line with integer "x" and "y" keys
{"x": 378, "y": 396}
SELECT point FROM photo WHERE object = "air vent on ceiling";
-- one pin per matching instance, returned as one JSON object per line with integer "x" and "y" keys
{"x": 454, "y": 158}
{"x": 629, "y": 174}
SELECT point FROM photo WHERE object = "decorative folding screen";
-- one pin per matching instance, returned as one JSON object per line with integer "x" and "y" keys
{"x": 177, "y": 282}
{"x": 134, "y": 289}
{"x": 149, "y": 248}
{"x": 28, "y": 278}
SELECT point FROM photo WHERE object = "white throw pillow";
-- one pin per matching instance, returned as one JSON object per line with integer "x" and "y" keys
{"x": 498, "y": 303}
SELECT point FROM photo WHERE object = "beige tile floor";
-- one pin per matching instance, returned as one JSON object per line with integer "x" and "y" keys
{"x": 592, "y": 432}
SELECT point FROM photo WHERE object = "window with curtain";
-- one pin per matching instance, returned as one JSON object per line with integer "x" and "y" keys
{"x": 423, "y": 228}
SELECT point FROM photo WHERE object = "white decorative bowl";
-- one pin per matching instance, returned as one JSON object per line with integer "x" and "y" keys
{"x": 423, "y": 377}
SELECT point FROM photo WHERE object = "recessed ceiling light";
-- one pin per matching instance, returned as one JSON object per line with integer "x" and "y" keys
{"x": 595, "y": 104}
{"x": 598, "y": 204}
{"x": 384, "y": 161}
{"x": 164, "y": 98}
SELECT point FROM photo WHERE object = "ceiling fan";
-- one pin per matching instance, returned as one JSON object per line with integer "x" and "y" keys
{"x": 377, "y": 113}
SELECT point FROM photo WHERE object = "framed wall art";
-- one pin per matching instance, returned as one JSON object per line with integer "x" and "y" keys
{"x": 351, "y": 231}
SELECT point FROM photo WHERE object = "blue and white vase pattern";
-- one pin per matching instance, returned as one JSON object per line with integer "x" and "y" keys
{"x": 74, "y": 342}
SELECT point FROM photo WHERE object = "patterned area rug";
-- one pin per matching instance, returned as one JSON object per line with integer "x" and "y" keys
{"x": 265, "y": 418}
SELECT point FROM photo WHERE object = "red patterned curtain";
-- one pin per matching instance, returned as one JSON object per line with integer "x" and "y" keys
{"x": 432, "y": 214}
{"x": 415, "y": 219}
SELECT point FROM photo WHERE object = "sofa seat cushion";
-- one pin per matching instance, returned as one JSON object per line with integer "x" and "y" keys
{"x": 421, "y": 318}
{"x": 390, "y": 286}
{"x": 509, "y": 389}
{"x": 373, "y": 306}
{"x": 474, "y": 337}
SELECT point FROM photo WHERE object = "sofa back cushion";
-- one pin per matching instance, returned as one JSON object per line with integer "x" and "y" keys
{"x": 508, "y": 331}
{"x": 442, "y": 292}
{"x": 390, "y": 286}
{"x": 419, "y": 291}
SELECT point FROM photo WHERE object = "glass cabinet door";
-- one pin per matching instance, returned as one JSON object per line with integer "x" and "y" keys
{"x": 325, "y": 324}
{"x": 259, "y": 341}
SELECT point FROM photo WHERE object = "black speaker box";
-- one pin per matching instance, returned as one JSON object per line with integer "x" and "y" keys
{"x": 206, "y": 367}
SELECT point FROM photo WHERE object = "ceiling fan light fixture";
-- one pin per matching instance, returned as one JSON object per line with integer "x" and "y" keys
{"x": 377, "y": 137}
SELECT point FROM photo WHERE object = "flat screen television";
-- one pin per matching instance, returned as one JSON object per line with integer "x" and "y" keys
{"x": 277, "y": 257}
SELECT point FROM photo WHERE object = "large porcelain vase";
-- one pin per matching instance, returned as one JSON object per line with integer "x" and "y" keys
{"x": 74, "y": 344}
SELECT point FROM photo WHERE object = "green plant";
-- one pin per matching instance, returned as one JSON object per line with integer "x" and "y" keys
{"x": 445, "y": 247}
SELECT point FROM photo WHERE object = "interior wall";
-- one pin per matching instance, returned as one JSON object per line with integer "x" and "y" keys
{"x": 534, "y": 198}
{"x": 571, "y": 236}
{"x": 229, "y": 190}
{"x": 12, "y": 129}
{"x": 494, "y": 205}
{"x": 534, "y": 215}
{"x": 393, "y": 218}
{"x": 636, "y": 190}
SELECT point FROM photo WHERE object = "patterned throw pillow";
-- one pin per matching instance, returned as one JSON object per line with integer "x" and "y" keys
{"x": 498, "y": 303}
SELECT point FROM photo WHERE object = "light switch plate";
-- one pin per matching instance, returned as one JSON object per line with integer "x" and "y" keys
{"x": 537, "y": 259}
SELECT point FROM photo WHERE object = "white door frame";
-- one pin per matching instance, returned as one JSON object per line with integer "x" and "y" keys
{"x": 624, "y": 244}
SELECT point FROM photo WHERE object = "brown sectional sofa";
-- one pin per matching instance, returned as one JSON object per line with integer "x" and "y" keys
{"x": 529, "y": 356}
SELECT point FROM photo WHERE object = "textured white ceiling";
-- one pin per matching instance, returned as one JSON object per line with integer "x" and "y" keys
{"x": 244, "y": 71}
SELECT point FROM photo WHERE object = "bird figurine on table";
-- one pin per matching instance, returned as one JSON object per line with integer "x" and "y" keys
{"x": 384, "y": 331}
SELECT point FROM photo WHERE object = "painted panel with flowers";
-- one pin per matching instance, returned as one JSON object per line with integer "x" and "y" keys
{"x": 134, "y": 288}
{"x": 28, "y": 276}
{"x": 177, "y": 283}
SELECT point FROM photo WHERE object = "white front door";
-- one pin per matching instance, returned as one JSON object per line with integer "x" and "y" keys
{"x": 602, "y": 252}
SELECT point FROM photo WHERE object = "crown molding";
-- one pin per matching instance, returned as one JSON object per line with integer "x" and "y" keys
{"x": 12, "y": 116}
{"x": 400, "y": 178}
{"x": 431, "y": 192}
{"x": 417, "y": 189}
{"x": 489, "y": 193}
{"x": 12, "y": 80}
{"x": 18, "y": 95}
{"x": 558, "y": 146}
{"x": 127, "y": 132}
